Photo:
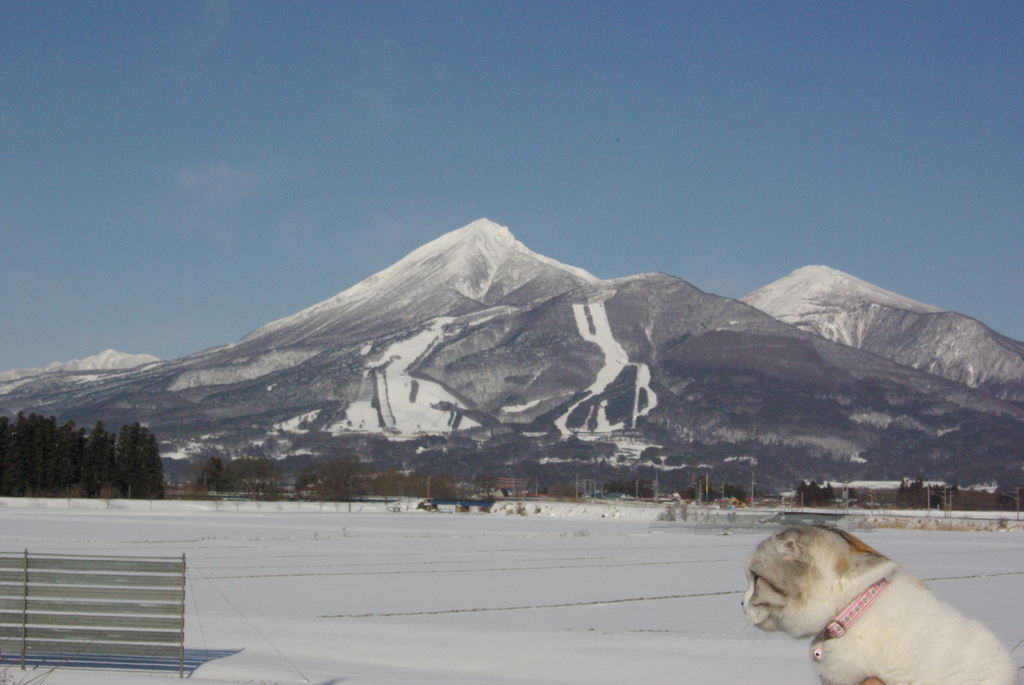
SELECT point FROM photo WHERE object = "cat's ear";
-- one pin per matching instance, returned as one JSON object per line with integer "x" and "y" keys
{"x": 789, "y": 545}
{"x": 856, "y": 563}
{"x": 859, "y": 558}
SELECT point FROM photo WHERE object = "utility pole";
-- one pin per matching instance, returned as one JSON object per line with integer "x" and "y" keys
{"x": 751, "y": 483}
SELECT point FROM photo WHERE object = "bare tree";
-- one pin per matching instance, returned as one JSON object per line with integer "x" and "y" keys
{"x": 336, "y": 479}
{"x": 258, "y": 477}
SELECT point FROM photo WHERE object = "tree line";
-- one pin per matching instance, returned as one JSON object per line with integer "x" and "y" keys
{"x": 333, "y": 479}
{"x": 39, "y": 458}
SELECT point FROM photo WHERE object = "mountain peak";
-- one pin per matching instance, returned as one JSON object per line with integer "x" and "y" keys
{"x": 817, "y": 286}
{"x": 102, "y": 361}
{"x": 476, "y": 266}
{"x": 469, "y": 260}
{"x": 482, "y": 236}
{"x": 486, "y": 227}
{"x": 847, "y": 310}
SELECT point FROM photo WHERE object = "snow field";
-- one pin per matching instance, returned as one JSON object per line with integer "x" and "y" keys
{"x": 325, "y": 596}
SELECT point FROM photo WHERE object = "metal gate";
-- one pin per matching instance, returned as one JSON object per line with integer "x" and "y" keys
{"x": 99, "y": 611}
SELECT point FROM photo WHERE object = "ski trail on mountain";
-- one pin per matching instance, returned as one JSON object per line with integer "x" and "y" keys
{"x": 593, "y": 326}
{"x": 406, "y": 405}
{"x": 643, "y": 392}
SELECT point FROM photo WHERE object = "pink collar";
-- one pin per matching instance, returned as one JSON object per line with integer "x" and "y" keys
{"x": 857, "y": 608}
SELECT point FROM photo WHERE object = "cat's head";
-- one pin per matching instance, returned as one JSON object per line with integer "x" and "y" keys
{"x": 800, "y": 578}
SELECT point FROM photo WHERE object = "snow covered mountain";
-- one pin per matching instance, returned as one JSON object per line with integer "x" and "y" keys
{"x": 105, "y": 360}
{"x": 476, "y": 355}
{"x": 845, "y": 309}
{"x": 470, "y": 269}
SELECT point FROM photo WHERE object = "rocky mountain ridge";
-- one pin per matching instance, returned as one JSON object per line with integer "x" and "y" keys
{"x": 845, "y": 309}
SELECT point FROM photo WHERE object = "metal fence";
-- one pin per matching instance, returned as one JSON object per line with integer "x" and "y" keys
{"x": 113, "y": 612}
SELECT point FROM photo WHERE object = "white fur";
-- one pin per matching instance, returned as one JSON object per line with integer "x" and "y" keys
{"x": 907, "y": 637}
{"x": 911, "y": 637}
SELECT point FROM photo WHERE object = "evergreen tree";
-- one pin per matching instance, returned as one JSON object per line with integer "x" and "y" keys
{"x": 39, "y": 458}
{"x": 36, "y": 446}
{"x": 213, "y": 477}
{"x": 67, "y": 472}
{"x": 41, "y": 453}
{"x": 151, "y": 467}
{"x": 125, "y": 450}
{"x": 139, "y": 469}
{"x": 9, "y": 474}
{"x": 814, "y": 495}
{"x": 15, "y": 472}
{"x": 98, "y": 474}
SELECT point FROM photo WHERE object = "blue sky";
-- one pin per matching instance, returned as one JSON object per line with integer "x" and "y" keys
{"x": 176, "y": 174}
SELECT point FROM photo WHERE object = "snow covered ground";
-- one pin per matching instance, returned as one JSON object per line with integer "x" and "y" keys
{"x": 573, "y": 594}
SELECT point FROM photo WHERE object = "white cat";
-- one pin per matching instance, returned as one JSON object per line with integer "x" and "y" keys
{"x": 867, "y": 619}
